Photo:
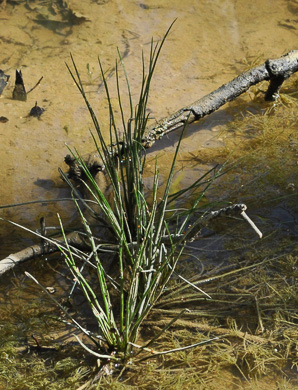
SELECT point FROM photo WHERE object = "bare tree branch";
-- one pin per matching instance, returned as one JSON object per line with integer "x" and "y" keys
{"x": 275, "y": 71}
{"x": 74, "y": 239}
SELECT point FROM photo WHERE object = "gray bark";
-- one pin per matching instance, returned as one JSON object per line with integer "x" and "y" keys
{"x": 275, "y": 71}
{"x": 73, "y": 239}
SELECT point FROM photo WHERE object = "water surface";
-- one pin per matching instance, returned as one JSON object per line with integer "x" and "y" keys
{"x": 209, "y": 44}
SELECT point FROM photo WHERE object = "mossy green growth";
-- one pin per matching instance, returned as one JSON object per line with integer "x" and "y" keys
{"x": 58, "y": 365}
{"x": 262, "y": 145}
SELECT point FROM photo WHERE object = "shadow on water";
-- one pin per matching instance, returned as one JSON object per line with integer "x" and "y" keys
{"x": 211, "y": 43}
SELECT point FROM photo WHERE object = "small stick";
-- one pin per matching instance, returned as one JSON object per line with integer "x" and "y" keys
{"x": 246, "y": 217}
{"x": 194, "y": 286}
{"x": 36, "y": 85}
{"x": 43, "y": 229}
{"x": 37, "y": 342}
{"x": 43, "y": 233}
{"x": 261, "y": 328}
{"x": 154, "y": 353}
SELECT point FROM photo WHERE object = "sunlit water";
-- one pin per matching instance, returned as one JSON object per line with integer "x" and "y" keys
{"x": 208, "y": 45}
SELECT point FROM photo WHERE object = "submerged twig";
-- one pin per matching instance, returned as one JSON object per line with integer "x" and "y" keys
{"x": 155, "y": 353}
{"x": 201, "y": 327}
{"x": 246, "y": 217}
{"x": 36, "y": 85}
{"x": 233, "y": 210}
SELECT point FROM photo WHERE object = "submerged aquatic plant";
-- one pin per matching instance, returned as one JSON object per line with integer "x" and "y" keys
{"x": 144, "y": 237}
{"x": 146, "y": 241}
{"x": 252, "y": 309}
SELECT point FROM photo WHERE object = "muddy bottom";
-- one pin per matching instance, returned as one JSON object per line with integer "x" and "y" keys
{"x": 209, "y": 44}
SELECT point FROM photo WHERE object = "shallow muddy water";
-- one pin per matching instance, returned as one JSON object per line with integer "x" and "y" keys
{"x": 208, "y": 45}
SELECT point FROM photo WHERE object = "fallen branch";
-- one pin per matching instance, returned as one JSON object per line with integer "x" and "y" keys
{"x": 276, "y": 71}
{"x": 76, "y": 239}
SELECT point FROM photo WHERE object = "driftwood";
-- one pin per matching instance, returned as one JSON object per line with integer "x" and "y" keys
{"x": 74, "y": 239}
{"x": 274, "y": 71}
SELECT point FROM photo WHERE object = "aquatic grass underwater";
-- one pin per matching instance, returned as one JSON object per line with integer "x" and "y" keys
{"x": 143, "y": 236}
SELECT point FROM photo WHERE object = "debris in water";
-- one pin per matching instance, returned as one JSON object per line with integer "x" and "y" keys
{"x": 36, "y": 111}
{"x": 3, "y": 80}
{"x": 19, "y": 92}
{"x": 36, "y": 85}
{"x": 51, "y": 290}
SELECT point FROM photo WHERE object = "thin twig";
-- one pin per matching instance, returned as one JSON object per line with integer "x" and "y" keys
{"x": 36, "y": 85}
{"x": 246, "y": 217}
{"x": 154, "y": 354}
